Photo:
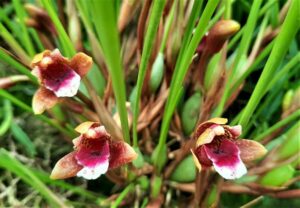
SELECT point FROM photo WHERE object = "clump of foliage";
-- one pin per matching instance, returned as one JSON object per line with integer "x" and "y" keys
{"x": 154, "y": 71}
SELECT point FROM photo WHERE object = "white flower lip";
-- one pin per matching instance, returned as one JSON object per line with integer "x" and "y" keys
{"x": 231, "y": 172}
{"x": 95, "y": 172}
{"x": 69, "y": 88}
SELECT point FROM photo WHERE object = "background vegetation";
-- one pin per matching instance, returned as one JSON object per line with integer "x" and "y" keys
{"x": 144, "y": 84}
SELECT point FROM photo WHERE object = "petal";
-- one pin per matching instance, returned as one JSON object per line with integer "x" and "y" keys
{"x": 95, "y": 172}
{"x": 96, "y": 132}
{"x": 201, "y": 155}
{"x": 38, "y": 57}
{"x": 209, "y": 134}
{"x": 120, "y": 154}
{"x": 203, "y": 126}
{"x": 250, "y": 150}
{"x": 218, "y": 121}
{"x": 61, "y": 79}
{"x": 196, "y": 161}
{"x": 81, "y": 63}
{"x": 37, "y": 73}
{"x": 226, "y": 159}
{"x": 83, "y": 127}
{"x": 43, "y": 99}
{"x": 92, "y": 152}
{"x": 235, "y": 131}
{"x": 77, "y": 141}
{"x": 66, "y": 167}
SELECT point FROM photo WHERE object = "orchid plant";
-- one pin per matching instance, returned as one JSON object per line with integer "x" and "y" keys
{"x": 162, "y": 92}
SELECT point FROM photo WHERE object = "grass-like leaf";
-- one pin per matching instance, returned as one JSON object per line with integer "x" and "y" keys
{"x": 105, "y": 22}
{"x": 23, "y": 139}
{"x": 182, "y": 68}
{"x": 288, "y": 31}
{"x": 68, "y": 132}
{"x": 66, "y": 43}
{"x": 25, "y": 32}
{"x": 13, "y": 165}
{"x": 242, "y": 50}
{"x": 154, "y": 19}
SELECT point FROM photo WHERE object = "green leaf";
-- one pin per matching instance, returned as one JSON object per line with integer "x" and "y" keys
{"x": 25, "y": 32}
{"x": 154, "y": 19}
{"x": 242, "y": 50}
{"x": 9, "y": 163}
{"x": 23, "y": 139}
{"x": 182, "y": 66}
{"x": 159, "y": 156}
{"x": 8, "y": 117}
{"x": 288, "y": 31}
{"x": 103, "y": 13}
{"x": 156, "y": 186}
{"x": 139, "y": 161}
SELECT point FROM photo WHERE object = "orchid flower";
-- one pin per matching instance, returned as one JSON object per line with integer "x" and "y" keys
{"x": 218, "y": 145}
{"x": 58, "y": 77}
{"x": 95, "y": 152}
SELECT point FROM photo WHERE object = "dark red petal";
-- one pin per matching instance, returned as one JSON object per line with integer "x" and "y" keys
{"x": 202, "y": 156}
{"x": 120, "y": 154}
{"x": 225, "y": 156}
{"x": 92, "y": 152}
{"x": 43, "y": 99}
{"x": 61, "y": 79}
{"x": 66, "y": 167}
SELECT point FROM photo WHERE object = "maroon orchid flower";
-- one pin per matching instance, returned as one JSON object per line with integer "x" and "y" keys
{"x": 58, "y": 76}
{"x": 218, "y": 145}
{"x": 95, "y": 152}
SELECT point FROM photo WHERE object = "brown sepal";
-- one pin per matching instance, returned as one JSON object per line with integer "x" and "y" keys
{"x": 66, "y": 167}
{"x": 250, "y": 150}
{"x": 81, "y": 63}
{"x": 42, "y": 100}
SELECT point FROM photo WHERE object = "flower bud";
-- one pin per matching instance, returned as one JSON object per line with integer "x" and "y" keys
{"x": 160, "y": 158}
{"x": 287, "y": 100}
{"x": 190, "y": 113}
{"x": 278, "y": 176}
{"x": 291, "y": 101}
{"x": 157, "y": 72}
{"x": 219, "y": 33}
{"x": 291, "y": 145}
{"x": 185, "y": 172}
{"x": 40, "y": 19}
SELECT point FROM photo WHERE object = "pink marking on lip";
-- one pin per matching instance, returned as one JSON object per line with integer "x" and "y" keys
{"x": 93, "y": 153}
{"x": 61, "y": 79}
{"x": 226, "y": 159}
